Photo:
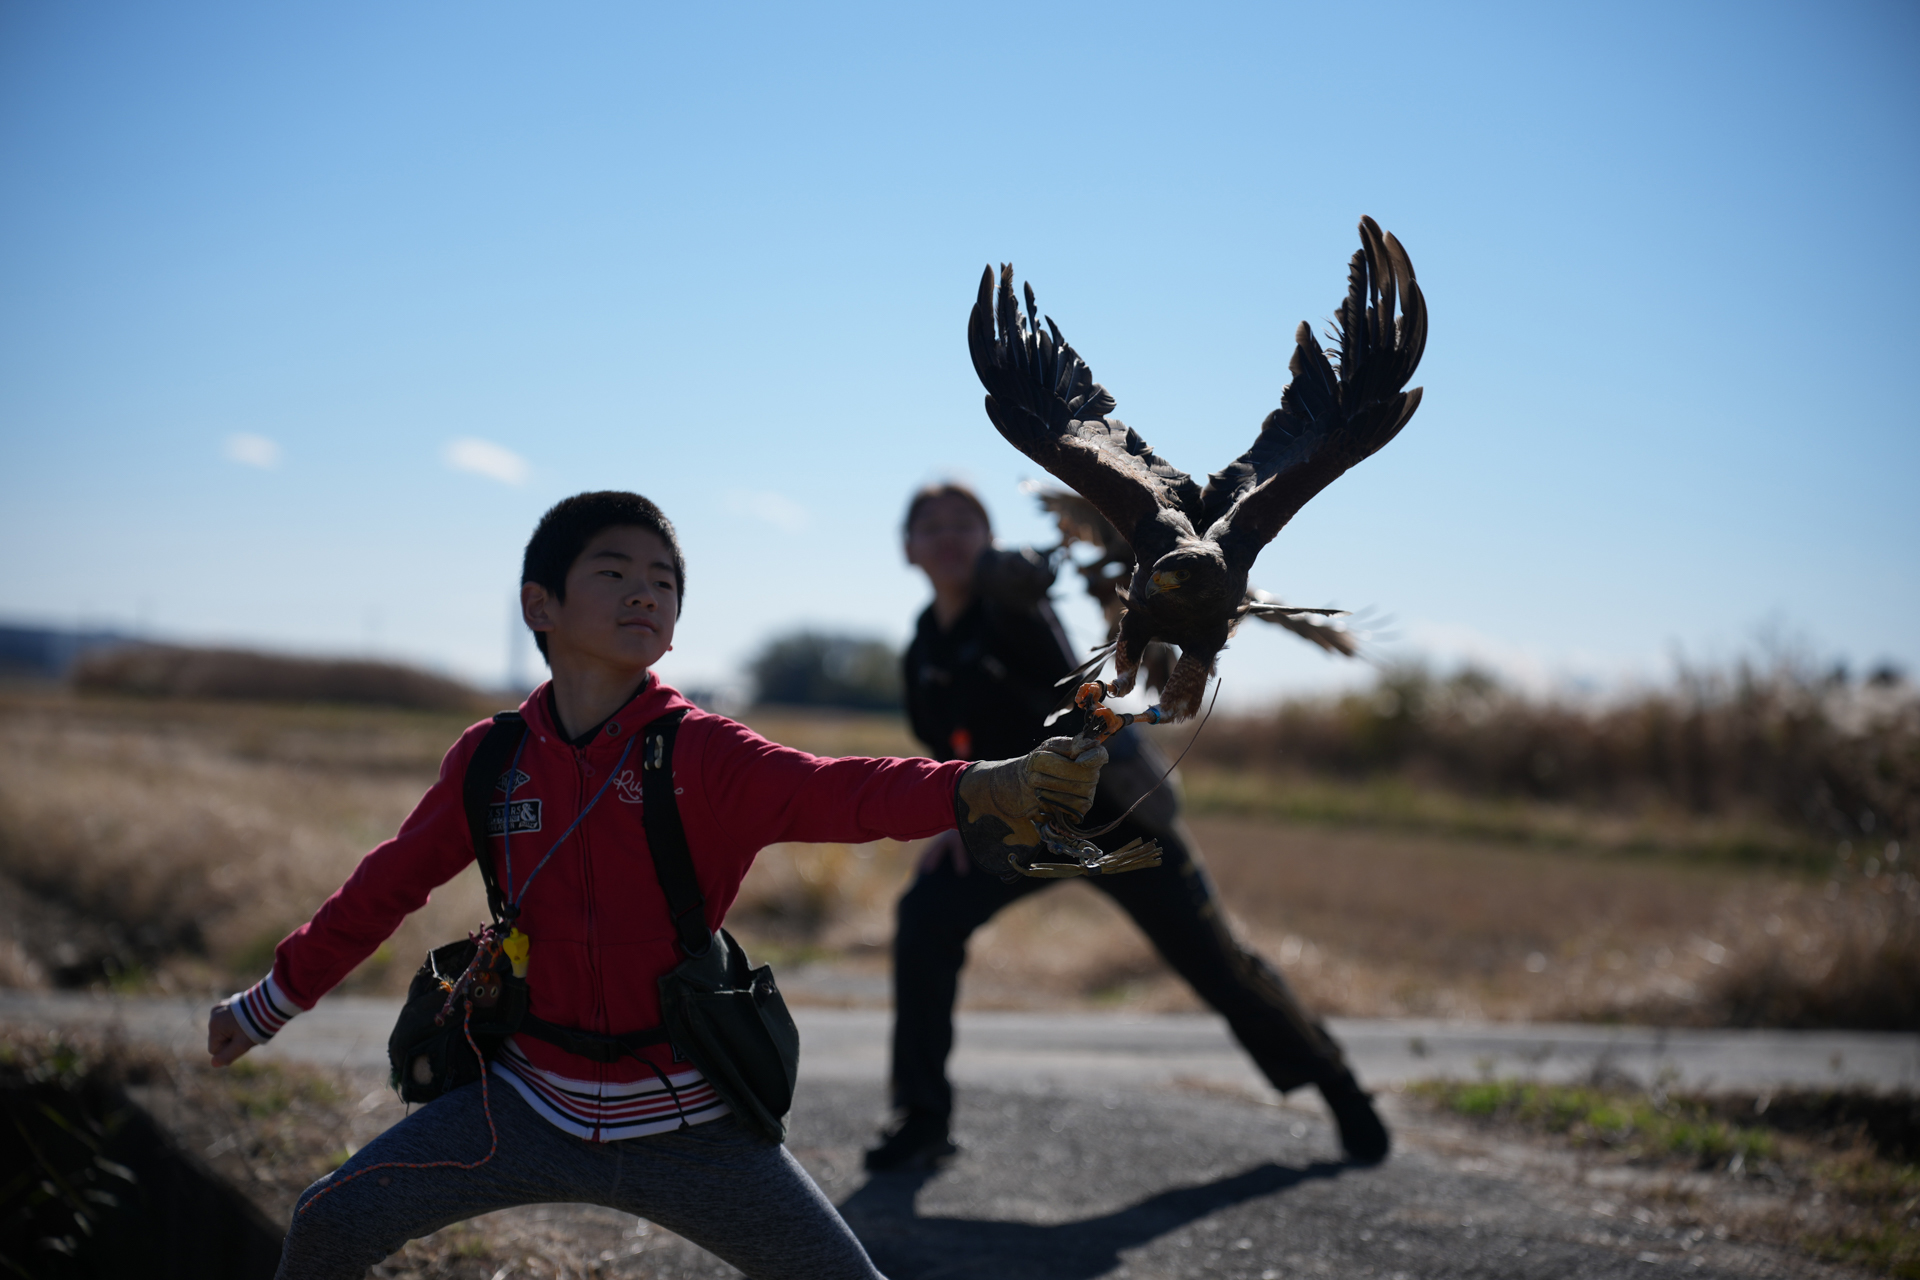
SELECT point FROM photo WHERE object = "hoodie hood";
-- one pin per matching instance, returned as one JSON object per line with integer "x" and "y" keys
{"x": 654, "y": 699}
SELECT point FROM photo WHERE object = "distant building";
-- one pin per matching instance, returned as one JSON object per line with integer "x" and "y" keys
{"x": 48, "y": 653}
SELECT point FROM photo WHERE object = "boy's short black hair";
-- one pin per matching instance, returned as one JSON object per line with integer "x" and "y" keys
{"x": 570, "y": 524}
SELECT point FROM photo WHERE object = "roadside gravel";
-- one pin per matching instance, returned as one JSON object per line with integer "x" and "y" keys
{"x": 1153, "y": 1185}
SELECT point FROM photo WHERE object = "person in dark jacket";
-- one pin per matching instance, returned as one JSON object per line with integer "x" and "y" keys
{"x": 980, "y": 676}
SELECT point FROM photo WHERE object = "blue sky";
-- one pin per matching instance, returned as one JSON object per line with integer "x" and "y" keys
{"x": 307, "y": 312}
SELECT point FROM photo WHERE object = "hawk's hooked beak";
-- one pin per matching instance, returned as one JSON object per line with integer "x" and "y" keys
{"x": 1165, "y": 580}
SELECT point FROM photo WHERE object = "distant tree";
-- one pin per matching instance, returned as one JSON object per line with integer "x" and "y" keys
{"x": 817, "y": 669}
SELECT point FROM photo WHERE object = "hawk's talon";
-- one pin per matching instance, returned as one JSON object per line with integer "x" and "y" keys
{"x": 1102, "y": 721}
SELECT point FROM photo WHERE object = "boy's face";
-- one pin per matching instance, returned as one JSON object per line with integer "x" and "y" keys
{"x": 622, "y": 601}
{"x": 945, "y": 541}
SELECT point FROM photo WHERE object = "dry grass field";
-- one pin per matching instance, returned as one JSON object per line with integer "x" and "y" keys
{"x": 176, "y": 842}
{"x": 170, "y": 844}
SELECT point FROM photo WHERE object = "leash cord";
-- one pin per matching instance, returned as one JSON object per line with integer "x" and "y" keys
{"x": 493, "y": 932}
{"x": 513, "y": 899}
{"x": 1101, "y": 831}
{"x": 485, "y": 938}
{"x": 486, "y": 1105}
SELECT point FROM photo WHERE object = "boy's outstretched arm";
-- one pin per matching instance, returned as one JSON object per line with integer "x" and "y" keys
{"x": 393, "y": 880}
{"x": 762, "y": 793}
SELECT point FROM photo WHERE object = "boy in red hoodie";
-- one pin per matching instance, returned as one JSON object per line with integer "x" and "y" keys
{"x": 601, "y": 587}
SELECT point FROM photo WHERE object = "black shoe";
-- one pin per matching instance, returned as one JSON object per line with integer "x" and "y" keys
{"x": 918, "y": 1142}
{"x": 1361, "y": 1133}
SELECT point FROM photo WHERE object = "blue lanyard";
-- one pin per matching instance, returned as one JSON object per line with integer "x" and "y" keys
{"x": 506, "y": 842}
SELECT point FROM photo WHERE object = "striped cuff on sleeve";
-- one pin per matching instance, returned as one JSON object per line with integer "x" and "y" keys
{"x": 262, "y": 1009}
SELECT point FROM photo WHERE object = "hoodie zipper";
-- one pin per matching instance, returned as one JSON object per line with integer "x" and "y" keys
{"x": 581, "y": 787}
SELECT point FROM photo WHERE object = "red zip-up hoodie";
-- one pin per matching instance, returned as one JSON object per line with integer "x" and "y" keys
{"x": 597, "y": 920}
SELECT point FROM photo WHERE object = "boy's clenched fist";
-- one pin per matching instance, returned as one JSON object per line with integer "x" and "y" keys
{"x": 225, "y": 1040}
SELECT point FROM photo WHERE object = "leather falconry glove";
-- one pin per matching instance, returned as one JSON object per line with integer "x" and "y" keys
{"x": 1015, "y": 815}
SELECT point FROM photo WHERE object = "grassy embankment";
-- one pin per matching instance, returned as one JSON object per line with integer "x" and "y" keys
{"x": 170, "y": 844}
{"x": 86, "y": 1174}
{"x": 1833, "y": 1174}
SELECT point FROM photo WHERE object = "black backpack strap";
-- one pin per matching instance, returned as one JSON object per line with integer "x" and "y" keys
{"x": 667, "y": 838}
{"x": 489, "y": 760}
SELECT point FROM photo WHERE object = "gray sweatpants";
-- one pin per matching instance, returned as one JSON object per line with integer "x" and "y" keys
{"x": 718, "y": 1185}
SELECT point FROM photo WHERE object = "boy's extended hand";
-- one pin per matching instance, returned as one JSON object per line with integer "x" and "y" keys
{"x": 998, "y": 800}
{"x": 225, "y": 1040}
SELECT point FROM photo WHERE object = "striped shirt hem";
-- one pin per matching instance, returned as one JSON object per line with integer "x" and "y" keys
{"x": 262, "y": 1009}
{"x": 610, "y": 1111}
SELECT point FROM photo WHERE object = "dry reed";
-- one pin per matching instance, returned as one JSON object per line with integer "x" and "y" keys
{"x": 172, "y": 671}
{"x": 190, "y": 836}
{"x": 191, "y": 839}
{"x": 1833, "y": 757}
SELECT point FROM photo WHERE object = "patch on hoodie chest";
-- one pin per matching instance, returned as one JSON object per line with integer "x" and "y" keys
{"x": 521, "y": 815}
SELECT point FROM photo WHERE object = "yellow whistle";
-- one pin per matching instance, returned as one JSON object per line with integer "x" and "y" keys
{"x": 516, "y": 947}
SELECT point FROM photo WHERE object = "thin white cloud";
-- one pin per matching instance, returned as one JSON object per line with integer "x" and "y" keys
{"x": 781, "y": 512}
{"x": 484, "y": 458}
{"x": 253, "y": 451}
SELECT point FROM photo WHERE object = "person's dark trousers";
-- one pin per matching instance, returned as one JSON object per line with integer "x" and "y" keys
{"x": 1175, "y": 906}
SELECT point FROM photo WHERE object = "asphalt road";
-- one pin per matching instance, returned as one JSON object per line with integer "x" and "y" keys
{"x": 1108, "y": 1146}
{"x": 1098, "y": 1050}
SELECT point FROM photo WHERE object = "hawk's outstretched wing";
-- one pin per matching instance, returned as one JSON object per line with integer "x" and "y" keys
{"x": 1334, "y": 412}
{"x": 1043, "y": 399}
{"x": 1079, "y": 520}
{"x": 1269, "y": 608}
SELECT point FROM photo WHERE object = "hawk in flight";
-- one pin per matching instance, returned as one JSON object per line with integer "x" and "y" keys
{"x": 1194, "y": 545}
